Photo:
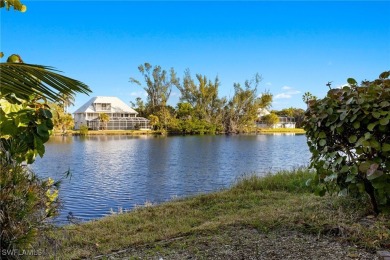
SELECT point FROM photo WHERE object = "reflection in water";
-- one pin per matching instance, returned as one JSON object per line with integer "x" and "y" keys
{"x": 121, "y": 171}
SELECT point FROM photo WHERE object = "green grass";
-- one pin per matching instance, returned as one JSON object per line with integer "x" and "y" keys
{"x": 274, "y": 202}
{"x": 288, "y": 181}
{"x": 281, "y": 130}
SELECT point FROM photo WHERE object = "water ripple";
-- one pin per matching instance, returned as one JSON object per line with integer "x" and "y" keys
{"x": 113, "y": 172}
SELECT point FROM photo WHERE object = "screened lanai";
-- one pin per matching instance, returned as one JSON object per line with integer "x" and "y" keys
{"x": 121, "y": 123}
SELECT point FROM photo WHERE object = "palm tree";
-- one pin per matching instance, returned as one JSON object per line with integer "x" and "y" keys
{"x": 24, "y": 80}
{"x": 104, "y": 118}
{"x": 18, "y": 6}
{"x": 67, "y": 122}
{"x": 66, "y": 101}
{"x": 307, "y": 97}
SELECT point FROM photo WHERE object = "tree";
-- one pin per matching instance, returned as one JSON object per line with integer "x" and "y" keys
{"x": 139, "y": 107}
{"x": 154, "y": 121}
{"x": 271, "y": 119}
{"x": 26, "y": 123}
{"x": 25, "y": 116}
{"x": 241, "y": 110}
{"x": 307, "y": 97}
{"x": 62, "y": 121}
{"x": 158, "y": 85}
{"x": 18, "y": 6}
{"x": 289, "y": 112}
{"x": 66, "y": 101}
{"x": 23, "y": 80}
{"x": 297, "y": 113}
{"x": 104, "y": 118}
{"x": 203, "y": 98}
{"x": 184, "y": 111}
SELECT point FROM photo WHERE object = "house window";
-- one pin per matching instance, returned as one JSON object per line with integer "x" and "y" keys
{"x": 91, "y": 116}
{"x": 102, "y": 106}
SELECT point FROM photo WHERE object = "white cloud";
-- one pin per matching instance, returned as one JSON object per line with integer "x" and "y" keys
{"x": 268, "y": 84}
{"x": 293, "y": 92}
{"x": 287, "y": 93}
{"x": 282, "y": 95}
{"x": 138, "y": 94}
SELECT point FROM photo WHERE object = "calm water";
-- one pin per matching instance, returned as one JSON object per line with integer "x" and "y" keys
{"x": 109, "y": 172}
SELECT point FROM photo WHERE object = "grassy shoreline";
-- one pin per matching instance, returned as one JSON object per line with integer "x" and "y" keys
{"x": 153, "y": 132}
{"x": 277, "y": 202}
{"x": 282, "y": 130}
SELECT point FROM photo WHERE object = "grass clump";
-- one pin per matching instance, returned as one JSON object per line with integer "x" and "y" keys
{"x": 289, "y": 181}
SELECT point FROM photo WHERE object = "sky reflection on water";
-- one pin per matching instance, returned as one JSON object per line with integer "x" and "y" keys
{"x": 111, "y": 172}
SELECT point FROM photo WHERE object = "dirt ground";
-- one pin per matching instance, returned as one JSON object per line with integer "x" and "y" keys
{"x": 246, "y": 243}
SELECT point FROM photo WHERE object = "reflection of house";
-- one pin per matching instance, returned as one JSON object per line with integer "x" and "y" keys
{"x": 122, "y": 117}
{"x": 284, "y": 121}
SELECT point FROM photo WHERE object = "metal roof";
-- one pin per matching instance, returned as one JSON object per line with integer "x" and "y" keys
{"x": 117, "y": 106}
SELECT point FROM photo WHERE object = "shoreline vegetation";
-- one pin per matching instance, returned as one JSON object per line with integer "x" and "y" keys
{"x": 159, "y": 132}
{"x": 227, "y": 224}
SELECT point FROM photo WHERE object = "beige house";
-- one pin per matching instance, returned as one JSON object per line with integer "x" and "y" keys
{"x": 122, "y": 117}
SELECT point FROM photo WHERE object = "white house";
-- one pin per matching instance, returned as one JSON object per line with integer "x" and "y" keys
{"x": 122, "y": 117}
{"x": 284, "y": 121}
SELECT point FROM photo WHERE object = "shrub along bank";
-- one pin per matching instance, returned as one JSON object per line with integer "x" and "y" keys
{"x": 348, "y": 136}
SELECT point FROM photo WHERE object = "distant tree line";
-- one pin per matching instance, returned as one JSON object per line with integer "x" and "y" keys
{"x": 200, "y": 110}
{"x": 297, "y": 113}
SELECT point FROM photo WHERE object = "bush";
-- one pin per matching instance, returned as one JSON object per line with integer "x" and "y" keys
{"x": 26, "y": 202}
{"x": 348, "y": 136}
{"x": 271, "y": 119}
{"x": 83, "y": 130}
{"x": 25, "y": 126}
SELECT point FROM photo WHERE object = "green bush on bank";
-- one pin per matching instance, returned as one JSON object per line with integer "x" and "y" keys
{"x": 83, "y": 130}
{"x": 25, "y": 203}
{"x": 348, "y": 135}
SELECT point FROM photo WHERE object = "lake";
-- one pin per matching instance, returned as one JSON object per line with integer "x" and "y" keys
{"x": 113, "y": 172}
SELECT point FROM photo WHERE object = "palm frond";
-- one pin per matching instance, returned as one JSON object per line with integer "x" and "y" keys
{"x": 27, "y": 79}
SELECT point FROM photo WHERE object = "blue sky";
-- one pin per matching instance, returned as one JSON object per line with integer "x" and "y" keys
{"x": 295, "y": 46}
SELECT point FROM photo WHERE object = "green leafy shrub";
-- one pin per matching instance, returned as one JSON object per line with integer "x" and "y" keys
{"x": 25, "y": 126}
{"x": 349, "y": 137}
{"x": 83, "y": 130}
{"x": 271, "y": 119}
{"x": 26, "y": 202}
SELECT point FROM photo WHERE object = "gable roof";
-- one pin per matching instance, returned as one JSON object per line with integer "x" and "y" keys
{"x": 262, "y": 112}
{"x": 117, "y": 106}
